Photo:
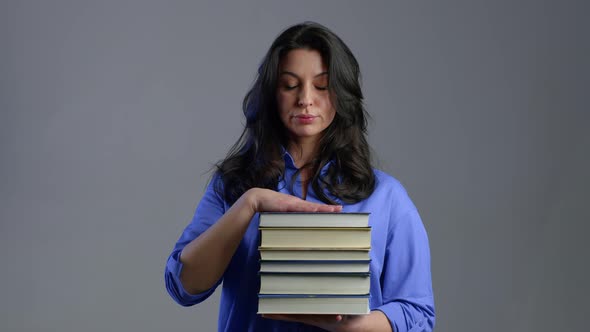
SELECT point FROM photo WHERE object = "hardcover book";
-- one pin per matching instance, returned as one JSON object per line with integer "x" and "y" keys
{"x": 321, "y": 219}
{"x": 309, "y": 254}
{"x": 315, "y": 266}
{"x": 346, "y": 237}
{"x": 313, "y": 304}
{"x": 314, "y": 283}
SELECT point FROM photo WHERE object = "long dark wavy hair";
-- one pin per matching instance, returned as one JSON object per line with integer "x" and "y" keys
{"x": 256, "y": 159}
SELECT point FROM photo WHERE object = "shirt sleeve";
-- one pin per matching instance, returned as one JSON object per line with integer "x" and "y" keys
{"x": 406, "y": 278}
{"x": 209, "y": 210}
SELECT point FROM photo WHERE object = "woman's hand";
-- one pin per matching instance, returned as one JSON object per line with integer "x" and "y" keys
{"x": 266, "y": 200}
{"x": 375, "y": 321}
{"x": 332, "y": 323}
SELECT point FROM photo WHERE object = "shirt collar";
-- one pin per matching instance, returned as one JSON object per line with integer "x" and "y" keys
{"x": 290, "y": 166}
{"x": 290, "y": 163}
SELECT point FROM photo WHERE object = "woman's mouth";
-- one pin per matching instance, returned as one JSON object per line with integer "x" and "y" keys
{"x": 305, "y": 118}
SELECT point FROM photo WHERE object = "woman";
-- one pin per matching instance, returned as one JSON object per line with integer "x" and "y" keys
{"x": 304, "y": 148}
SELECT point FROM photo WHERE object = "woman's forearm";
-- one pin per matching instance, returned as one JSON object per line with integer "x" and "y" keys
{"x": 206, "y": 257}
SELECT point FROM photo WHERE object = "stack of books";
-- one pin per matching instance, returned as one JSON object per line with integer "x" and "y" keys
{"x": 314, "y": 263}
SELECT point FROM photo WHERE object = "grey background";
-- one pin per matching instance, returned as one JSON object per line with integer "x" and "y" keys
{"x": 112, "y": 112}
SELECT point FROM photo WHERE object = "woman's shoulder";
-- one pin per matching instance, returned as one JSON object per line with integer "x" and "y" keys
{"x": 389, "y": 187}
{"x": 387, "y": 181}
{"x": 215, "y": 187}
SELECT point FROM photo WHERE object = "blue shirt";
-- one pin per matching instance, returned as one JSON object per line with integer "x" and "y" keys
{"x": 401, "y": 285}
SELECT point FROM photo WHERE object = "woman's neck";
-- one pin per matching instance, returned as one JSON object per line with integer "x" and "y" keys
{"x": 302, "y": 152}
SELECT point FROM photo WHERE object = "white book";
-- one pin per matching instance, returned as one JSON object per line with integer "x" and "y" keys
{"x": 316, "y": 219}
{"x": 327, "y": 305}
{"x": 309, "y": 254}
{"x": 314, "y": 283}
{"x": 316, "y": 266}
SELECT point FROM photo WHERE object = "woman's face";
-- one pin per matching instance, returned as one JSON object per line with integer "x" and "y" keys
{"x": 303, "y": 98}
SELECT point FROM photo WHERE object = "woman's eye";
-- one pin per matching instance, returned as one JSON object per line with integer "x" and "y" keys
{"x": 322, "y": 88}
{"x": 289, "y": 86}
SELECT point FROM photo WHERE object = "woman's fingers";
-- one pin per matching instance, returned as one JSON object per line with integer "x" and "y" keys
{"x": 299, "y": 205}
{"x": 328, "y": 322}
{"x": 306, "y": 318}
{"x": 272, "y": 201}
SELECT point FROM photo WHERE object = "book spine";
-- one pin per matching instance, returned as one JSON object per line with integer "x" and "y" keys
{"x": 306, "y": 296}
{"x": 335, "y": 262}
{"x": 340, "y": 274}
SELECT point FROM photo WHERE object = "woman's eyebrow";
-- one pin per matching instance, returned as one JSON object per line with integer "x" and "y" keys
{"x": 297, "y": 76}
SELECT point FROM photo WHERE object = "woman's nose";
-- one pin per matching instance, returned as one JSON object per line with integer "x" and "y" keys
{"x": 305, "y": 97}
{"x": 303, "y": 103}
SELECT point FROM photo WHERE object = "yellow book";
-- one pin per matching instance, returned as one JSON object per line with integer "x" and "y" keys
{"x": 314, "y": 219}
{"x": 285, "y": 253}
{"x": 314, "y": 283}
{"x": 311, "y": 237}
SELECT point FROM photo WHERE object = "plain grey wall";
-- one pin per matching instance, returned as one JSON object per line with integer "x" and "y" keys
{"x": 111, "y": 113}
